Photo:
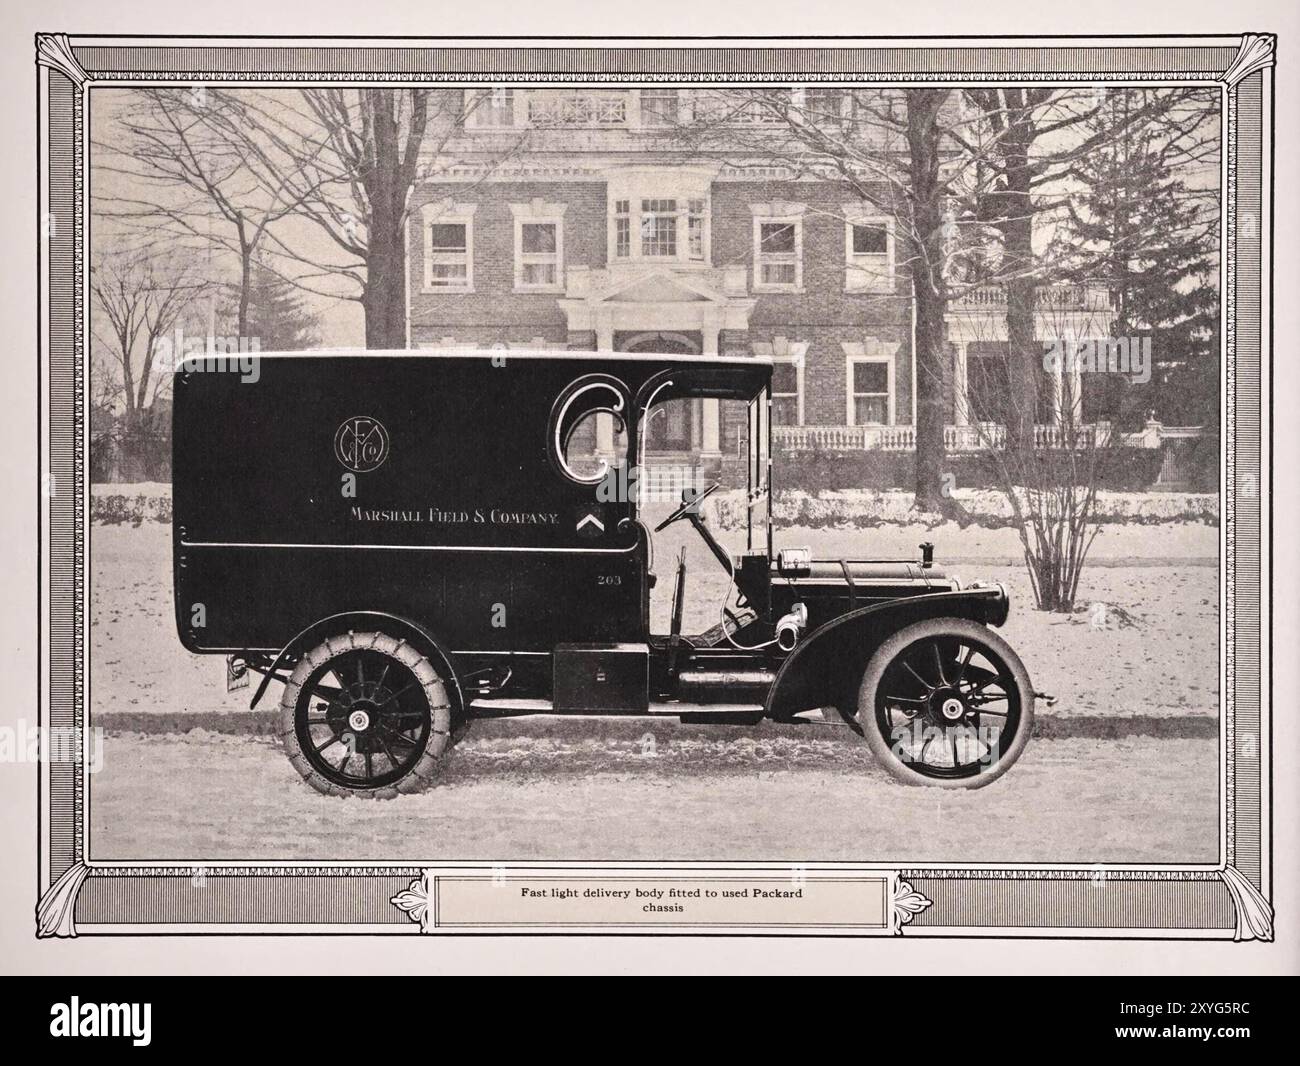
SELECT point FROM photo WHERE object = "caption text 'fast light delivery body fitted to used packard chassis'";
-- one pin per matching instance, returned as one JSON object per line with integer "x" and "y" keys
{"x": 413, "y": 541}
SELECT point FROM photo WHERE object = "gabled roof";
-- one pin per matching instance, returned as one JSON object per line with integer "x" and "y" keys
{"x": 658, "y": 285}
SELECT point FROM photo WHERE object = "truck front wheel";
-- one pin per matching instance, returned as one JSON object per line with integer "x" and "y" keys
{"x": 946, "y": 703}
{"x": 365, "y": 714}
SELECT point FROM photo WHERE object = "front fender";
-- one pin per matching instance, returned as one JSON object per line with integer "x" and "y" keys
{"x": 825, "y": 668}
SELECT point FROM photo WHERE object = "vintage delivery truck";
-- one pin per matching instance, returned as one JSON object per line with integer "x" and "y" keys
{"x": 407, "y": 540}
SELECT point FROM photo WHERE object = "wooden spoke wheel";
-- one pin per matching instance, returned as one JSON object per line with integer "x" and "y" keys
{"x": 365, "y": 714}
{"x": 946, "y": 703}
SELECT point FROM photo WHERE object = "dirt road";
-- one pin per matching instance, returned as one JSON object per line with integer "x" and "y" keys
{"x": 689, "y": 792}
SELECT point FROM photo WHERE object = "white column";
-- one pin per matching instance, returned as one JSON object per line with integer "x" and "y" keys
{"x": 960, "y": 401}
{"x": 1058, "y": 395}
{"x": 711, "y": 439}
{"x": 1076, "y": 393}
{"x": 605, "y": 423}
{"x": 519, "y": 107}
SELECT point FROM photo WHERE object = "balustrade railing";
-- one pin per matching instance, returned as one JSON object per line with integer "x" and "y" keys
{"x": 984, "y": 436}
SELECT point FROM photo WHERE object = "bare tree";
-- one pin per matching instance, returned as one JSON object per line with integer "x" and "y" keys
{"x": 926, "y": 201}
{"x": 1052, "y": 484}
{"x": 1030, "y": 144}
{"x": 898, "y": 152}
{"x": 264, "y": 174}
{"x": 1040, "y": 151}
{"x": 139, "y": 302}
{"x": 178, "y": 173}
{"x": 349, "y": 160}
{"x": 1052, "y": 489}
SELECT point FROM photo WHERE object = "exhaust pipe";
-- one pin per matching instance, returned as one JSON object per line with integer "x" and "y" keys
{"x": 791, "y": 626}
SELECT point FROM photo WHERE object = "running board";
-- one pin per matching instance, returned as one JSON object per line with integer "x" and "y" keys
{"x": 494, "y": 708}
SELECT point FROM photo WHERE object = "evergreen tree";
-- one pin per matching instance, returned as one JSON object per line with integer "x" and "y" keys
{"x": 1139, "y": 227}
{"x": 278, "y": 316}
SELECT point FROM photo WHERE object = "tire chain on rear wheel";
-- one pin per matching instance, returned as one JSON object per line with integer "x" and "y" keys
{"x": 420, "y": 776}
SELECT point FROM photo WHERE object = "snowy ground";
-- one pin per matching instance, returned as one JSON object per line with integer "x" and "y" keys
{"x": 781, "y": 793}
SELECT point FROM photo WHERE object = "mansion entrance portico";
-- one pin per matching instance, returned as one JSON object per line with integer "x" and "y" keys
{"x": 651, "y": 308}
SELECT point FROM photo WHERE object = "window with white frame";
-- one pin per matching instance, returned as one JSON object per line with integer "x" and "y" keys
{"x": 778, "y": 248}
{"x": 823, "y": 107}
{"x": 778, "y": 254}
{"x": 660, "y": 107}
{"x": 539, "y": 246}
{"x": 488, "y": 109}
{"x": 448, "y": 247}
{"x": 787, "y": 393}
{"x": 538, "y": 264}
{"x": 659, "y": 228}
{"x": 869, "y": 254}
{"x": 622, "y": 229}
{"x": 871, "y": 391}
{"x": 697, "y": 224}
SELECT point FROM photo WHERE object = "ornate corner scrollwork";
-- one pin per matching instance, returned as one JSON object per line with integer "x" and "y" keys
{"x": 54, "y": 912}
{"x": 415, "y": 901}
{"x": 54, "y": 50}
{"x": 1257, "y": 51}
{"x": 1254, "y": 912}
{"x": 907, "y": 902}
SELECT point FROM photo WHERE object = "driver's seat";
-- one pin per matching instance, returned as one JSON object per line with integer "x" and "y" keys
{"x": 711, "y": 637}
{"x": 716, "y": 634}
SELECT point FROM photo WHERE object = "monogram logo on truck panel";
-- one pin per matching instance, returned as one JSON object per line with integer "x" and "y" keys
{"x": 361, "y": 444}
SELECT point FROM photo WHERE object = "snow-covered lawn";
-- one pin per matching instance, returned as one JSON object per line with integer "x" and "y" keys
{"x": 871, "y": 508}
{"x": 150, "y": 501}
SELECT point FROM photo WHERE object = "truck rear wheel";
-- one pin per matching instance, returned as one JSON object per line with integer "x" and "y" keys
{"x": 946, "y": 703}
{"x": 365, "y": 714}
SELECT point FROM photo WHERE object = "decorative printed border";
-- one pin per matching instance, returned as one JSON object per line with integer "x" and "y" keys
{"x": 1227, "y": 900}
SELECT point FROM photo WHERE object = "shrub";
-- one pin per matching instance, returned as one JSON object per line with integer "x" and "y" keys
{"x": 1127, "y": 469}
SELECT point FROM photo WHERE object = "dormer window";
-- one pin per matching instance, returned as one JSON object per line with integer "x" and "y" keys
{"x": 659, "y": 107}
{"x": 490, "y": 109}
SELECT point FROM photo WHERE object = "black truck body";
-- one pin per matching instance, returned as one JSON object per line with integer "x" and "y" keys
{"x": 428, "y": 498}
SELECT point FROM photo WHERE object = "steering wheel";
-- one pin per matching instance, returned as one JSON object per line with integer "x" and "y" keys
{"x": 687, "y": 505}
